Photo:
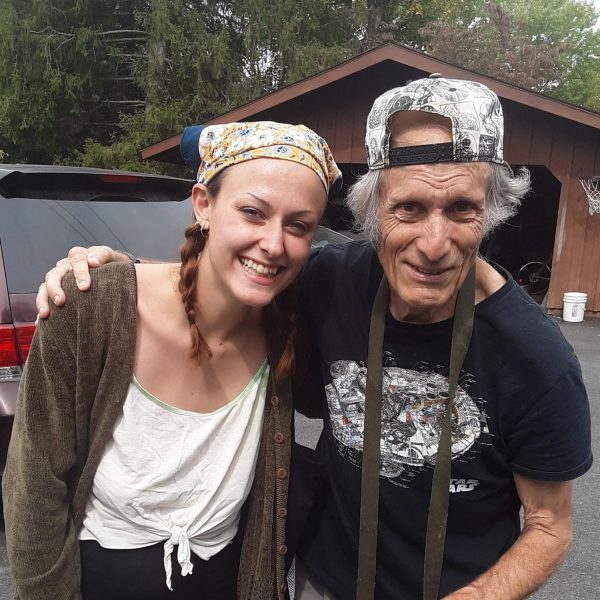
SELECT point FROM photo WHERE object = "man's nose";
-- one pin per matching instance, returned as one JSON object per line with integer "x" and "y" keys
{"x": 271, "y": 241}
{"x": 434, "y": 241}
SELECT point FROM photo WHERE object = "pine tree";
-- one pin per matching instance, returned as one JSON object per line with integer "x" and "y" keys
{"x": 93, "y": 81}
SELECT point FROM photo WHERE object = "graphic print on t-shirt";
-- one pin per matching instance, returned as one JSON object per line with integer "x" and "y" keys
{"x": 412, "y": 413}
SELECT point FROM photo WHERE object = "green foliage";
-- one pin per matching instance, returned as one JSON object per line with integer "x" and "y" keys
{"x": 411, "y": 16}
{"x": 93, "y": 81}
{"x": 497, "y": 44}
{"x": 201, "y": 59}
{"x": 568, "y": 24}
{"x": 581, "y": 86}
{"x": 549, "y": 46}
{"x": 55, "y": 71}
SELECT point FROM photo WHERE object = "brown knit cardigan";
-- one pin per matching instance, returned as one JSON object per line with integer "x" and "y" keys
{"x": 72, "y": 391}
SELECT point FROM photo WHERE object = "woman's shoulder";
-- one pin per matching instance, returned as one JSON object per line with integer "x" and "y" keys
{"x": 156, "y": 282}
{"x": 109, "y": 306}
{"x": 114, "y": 273}
{"x": 152, "y": 273}
{"x": 112, "y": 286}
{"x": 116, "y": 281}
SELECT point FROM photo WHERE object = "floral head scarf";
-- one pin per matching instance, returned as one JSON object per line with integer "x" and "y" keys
{"x": 224, "y": 145}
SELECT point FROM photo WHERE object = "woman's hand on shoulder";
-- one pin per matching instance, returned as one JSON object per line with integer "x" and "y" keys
{"x": 80, "y": 261}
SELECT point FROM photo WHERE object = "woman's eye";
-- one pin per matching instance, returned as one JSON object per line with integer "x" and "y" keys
{"x": 299, "y": 227}
{"x": 251, "y": 212}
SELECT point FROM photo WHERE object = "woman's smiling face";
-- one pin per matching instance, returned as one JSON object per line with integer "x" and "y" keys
{"x": 262, "y": 222}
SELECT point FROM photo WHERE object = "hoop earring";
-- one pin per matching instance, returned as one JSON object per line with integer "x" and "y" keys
{"x": 202, "y": 226}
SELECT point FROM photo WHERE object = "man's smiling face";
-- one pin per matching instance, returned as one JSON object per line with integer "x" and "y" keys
{"x": 432, "y": 221}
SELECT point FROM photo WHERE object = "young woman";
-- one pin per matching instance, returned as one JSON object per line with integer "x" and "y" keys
{"x": 156, "y": 407}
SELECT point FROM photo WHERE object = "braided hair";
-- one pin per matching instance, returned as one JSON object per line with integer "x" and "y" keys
{"x": 281, "y": 316}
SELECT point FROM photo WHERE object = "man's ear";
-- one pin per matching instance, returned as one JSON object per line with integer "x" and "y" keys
{"x": 201, "y": 202}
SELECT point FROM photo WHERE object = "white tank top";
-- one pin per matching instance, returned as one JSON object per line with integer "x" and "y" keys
{"x": 176, "y": 476}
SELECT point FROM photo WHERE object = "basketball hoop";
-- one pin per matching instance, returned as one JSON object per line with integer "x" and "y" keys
{"x": 591, "y": 185}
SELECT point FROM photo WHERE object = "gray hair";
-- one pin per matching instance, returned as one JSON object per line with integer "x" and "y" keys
{"x": 503, "y": 198}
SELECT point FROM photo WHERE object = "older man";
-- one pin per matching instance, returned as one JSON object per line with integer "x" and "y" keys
{"x": 437, "y": 183}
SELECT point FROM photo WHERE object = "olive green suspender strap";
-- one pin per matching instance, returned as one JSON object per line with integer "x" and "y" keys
{"x": 369, "y": 487}
{"x": 438, "y": 504}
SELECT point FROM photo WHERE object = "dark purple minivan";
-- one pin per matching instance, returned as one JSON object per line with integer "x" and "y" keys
{"x": 44, "y": 211}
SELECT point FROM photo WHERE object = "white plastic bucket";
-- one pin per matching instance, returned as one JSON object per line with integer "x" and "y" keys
{"x": 574, "y": 306}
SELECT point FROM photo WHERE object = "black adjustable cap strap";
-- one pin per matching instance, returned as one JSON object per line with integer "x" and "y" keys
{"x": 419, "y": 155}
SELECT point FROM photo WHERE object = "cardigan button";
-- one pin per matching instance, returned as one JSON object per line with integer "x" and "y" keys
{"x": 281, "y": 473}
{"x": 282, "y": 550}
{"x": 284, "y": 588}
{"x": 279, "y": 438}
{"x": 274, "y": 401}
{"x": 282, "y": 512}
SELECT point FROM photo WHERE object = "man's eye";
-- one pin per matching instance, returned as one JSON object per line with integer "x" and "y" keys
{"x": 407, "y": 207}
{"x": 462, "y": 206}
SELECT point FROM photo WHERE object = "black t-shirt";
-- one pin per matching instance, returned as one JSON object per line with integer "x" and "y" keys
{"x": 521, "y": 407}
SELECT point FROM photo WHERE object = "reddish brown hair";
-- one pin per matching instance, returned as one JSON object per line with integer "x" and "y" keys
{"x": 281, "y": 317}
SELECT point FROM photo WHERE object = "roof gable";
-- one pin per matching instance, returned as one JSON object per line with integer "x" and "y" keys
{"x": 388, "y": 53}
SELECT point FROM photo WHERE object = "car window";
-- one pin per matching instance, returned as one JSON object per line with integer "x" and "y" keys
{"x": 35, "y": 233}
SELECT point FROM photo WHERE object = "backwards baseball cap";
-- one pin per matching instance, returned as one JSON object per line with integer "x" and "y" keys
{"x": 221, "y": 146}
{"x": 473, "y": 109}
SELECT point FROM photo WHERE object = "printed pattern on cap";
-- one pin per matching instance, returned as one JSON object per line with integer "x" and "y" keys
{"x": 473, "y": 109}
{"x": 224, "y": 145}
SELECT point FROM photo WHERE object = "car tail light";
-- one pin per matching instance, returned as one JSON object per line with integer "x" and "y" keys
{"x": 14, "y": 348}
{"x": 131, "y": 179}
{"x": 24, "y": 333}
{"x": 9, "y": 355}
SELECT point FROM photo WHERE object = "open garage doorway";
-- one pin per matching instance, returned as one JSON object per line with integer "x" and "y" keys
{"x": 529, "y": 236}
